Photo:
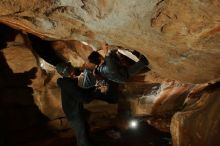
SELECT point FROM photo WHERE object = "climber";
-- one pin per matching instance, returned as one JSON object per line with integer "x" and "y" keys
{"x": 74, "y": 94}
{"x": 110, "y": 67}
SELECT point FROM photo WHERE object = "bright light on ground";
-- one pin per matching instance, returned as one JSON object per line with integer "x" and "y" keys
{"x": 133, "y": 124}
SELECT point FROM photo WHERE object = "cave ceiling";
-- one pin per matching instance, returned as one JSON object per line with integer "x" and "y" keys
{"x": 180, "y": 39}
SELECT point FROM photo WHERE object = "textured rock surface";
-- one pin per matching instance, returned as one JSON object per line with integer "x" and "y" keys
{"x": 188, "y": 111}
{"x": 200, "y": 117}
{"x": 179, "y": 38}
{"x": 21, "y": 59}
{"x": 160, "y": 99}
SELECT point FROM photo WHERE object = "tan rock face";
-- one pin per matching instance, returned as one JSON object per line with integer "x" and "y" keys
{"x": 188, "y": 111}
{"x": 161, "y": 99}
{"x": 200, "y": 117}
{"x": 179, "y": 38}
{"x": 30, "y": 82}
{"x": 19, "y": 59}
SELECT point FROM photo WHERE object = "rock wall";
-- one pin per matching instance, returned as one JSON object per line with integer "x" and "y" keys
{"x": 200, "y": 117}
{"x": 30, "y": 99}
{"x": 180, "y": 39}
{"x": 188, "y": 111}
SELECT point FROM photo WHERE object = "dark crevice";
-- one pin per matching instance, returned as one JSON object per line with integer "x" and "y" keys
{"x": 7, "y": 34}
{"x": 45, "y": 50}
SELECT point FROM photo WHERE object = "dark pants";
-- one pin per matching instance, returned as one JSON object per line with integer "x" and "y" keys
{"x": 73, "y": 98}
